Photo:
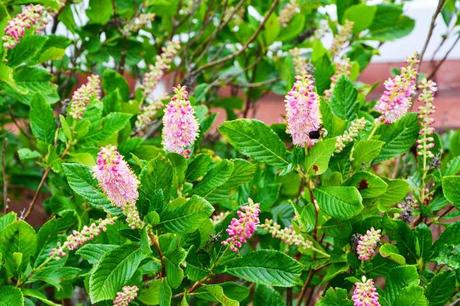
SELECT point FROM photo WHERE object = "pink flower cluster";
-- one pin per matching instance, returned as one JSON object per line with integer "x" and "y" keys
{"x": 77, "y": 239}
{"x": 302, "y": 111}
{"x": 241, "y": 229}
{"x": 83, "y": 95}
{"x": 180, "y": 126}
{"x": 397, "y": 97}
{"x": 119, "y": 183}
{"x": 365, "y": 293}
{"x": 126, "y": 296}
{"x": 33, "y": 17}
{"x": 426, "y": 141}
{"x": 367, "y": 244}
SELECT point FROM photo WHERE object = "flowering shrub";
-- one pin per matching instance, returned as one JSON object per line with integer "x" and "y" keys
{"x": 146, "y": 200}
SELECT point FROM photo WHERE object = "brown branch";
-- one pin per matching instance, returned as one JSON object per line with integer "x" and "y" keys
{"x": 154, "y": 241}
{"x": 5, "y": 180}
{"x": 305, "y": 287}
{"x": 244, "y": 47}
{"x": 430, "y": 31}
{"x": 37, "y": 193}
{"x": 439, "y": 64}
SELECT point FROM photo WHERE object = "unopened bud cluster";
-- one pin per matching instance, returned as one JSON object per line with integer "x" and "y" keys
{"x": 406, "y": 207}
{"x": 342, "y": 68}
{"x": 356, "y": 126}
{"x": 33, "y": 17}
{"x": 341, "y": 38}
{"x": 83, "y": 96}
{"x": 367, "y": 244}
{"x": 149, "y": 112}
{"x": 126, "y": 296}
{"x": 79, "y": 238}
{"x": 288, "y": 235}
{"x": 139, "y": 22}
{"x": 241, "y": 229}
{"x": 299, "y": 63}
{"x": 288, "y": 11}
{"x": 162, "y": 63}
{"x": 425, "y": 142}
{"x": 365, "y": 293}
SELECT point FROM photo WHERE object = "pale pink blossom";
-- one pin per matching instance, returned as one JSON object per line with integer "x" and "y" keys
{"x": 83, "y": 96}
{"x": 399, "y": 90}
{"x": 180, "y": 126}
{"x": 365, "y": 293}
{"x": 241, "y": 229}
{"x": 33, "y": 17}
{"x": 126, "y": 296}
{"x": 367, "y": 244}
{"x": 302, "y": 111}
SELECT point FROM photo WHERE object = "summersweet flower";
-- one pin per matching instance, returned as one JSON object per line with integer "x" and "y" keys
{"x": 126, "y": 296}
{"x": 180, "y": 126}
{"x": 342, "y": 68}
{"x": 162, "y": 63}
{"x": 397, "y": 97}
{"x": 241, "y": 229}
{"x": 138, "y": 23}
{"x": 367, "y": 244}
{"x": 288, "y": 235}
{"x": 299, "y": 63}
{"x": 365, "y": 293}
{"x": 33, "y": 17}
{"x": 302, "y": 111}
{"x": 119, "y": 183}
{"x": 341, "y": 38}
{"x": 425, "y": 142}
{"x": 83, "y": 96}
{"x": 79, "y": 238}
{"x": 288, "y": 11}
{"x": 356, "y": 126}
{"x": 149, "y": 112}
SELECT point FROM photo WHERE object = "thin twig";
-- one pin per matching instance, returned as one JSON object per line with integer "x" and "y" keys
{"x": 243, "y": 48}
{"x": 430, "y": 31}
{"x": 37, "y": 193}
{"x": 439, "y": 64}
{"x": 305, "y": 287}
{"x": 5, "y": 180}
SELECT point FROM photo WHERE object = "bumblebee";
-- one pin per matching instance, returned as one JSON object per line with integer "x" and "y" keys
{"x": 317, "y": 134}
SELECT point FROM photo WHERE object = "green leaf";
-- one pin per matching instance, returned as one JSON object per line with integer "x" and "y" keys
{"x": 151, "y": 294}
{"x": 198, "y": 167}
{"x": 362, "y": 16}
{"x": 17, "y": 237}
{"x": 256, "y": 140}
{"x": 323, "y": 73}
{"x": 27, "y": 49}
{"x": 94, "y": 252}
{"x": 165, "y": 293}
{"x": 112, "y": 80}
{"x": 272, "y": 29}
{"x": 318, "y": 157}
{"x": 399, "y": 137}
{"x": 267, "y": 296}
{"x": 41, "y": 118}
{"x": 99, "y": 11}
{"x": 218, "y": 295}
{"x": 451, "y": 187}
{"x": 339, "y": 201}
{"x": 112, "y": 123}
{"x": 344, "y": 103}
{"x": 399, "y": 278}
{"x": 84, "y": 184}
{"x": 368, "y": 184}
{"x": 335, "y": 297}
{"x": 365, "y": 151}
{"x": 156, "y": 176}
{"x": 441, "y": 288}
{"x": 39, "y": 296}
{"x": 113, "y": 271}
{"x": 26, "y": 153}
{"x": 389, "y": 23}
{"x": 448, "y": 239}
{"x": 397, "y": 190}
{"x": 11, "y": 296}
{"x": 215, "y": 178}
{"x": 391, "y": 252}
{"x": 411, "y": 296}
{"x": 56, "y": 275}
{"x": 266, "y": 267}
{"x": 293, "y": 29}
{"x": 185, "y": 217}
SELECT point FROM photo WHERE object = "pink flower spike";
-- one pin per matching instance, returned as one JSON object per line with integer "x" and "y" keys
{"x": 116, "y": 179}
{"x": 397, "y": 97}
{"x": 241, "y": 229}
{"x": 180, "y": 126}
{"x": 126, "y": 296}
{"x": 367, "y": 244}
{"x": 365, "y": 293}
{"x": 33, "y": 17}
{"x": 302, "y": 111}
